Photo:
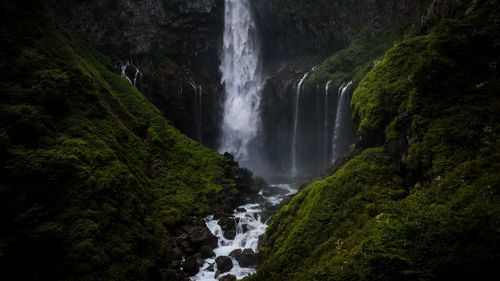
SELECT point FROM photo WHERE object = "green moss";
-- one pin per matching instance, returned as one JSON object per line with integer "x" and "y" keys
{"x": 436, "y": 219}
{"x": 353, "y": 62}
{"x": 93, "y": 177}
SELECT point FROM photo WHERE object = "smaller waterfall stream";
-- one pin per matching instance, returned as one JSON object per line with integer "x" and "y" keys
{"x": 325, "y": 131}
{"x": 198, "y": 108}
{"x": 342, "y": 107}
{"x": 295, "y": 123}
{"x": 124, "y": 66}
{"x": 248, "y": 229}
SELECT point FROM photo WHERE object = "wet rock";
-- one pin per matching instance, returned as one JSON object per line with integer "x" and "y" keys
{"x": 211, "y": 267}
{"x": 247, "y": 258}
{"x": 255, "y": 198}
{"x": 201, "y": 235}
{"x": 257, "y": 185}
{"x": 230, "y": 234}
{"x": 191, "y": 266}
{"x": 207, "y": 252}
{"x": 244, "y": 227}
{"x": 235, "y": 253}
{"x": 274, "y": 190}
{"x": 262, "y": 241}
{"x": 224, "y": 264}
{"x": 228, "y": 277}
{"x": 241, "y": 210}
{"x": 227, "y": 223}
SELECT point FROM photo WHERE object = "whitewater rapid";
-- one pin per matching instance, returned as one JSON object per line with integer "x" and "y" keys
{"x": 249, "y": 220}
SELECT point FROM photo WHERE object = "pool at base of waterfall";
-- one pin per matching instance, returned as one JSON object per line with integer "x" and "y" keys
{"x": 248, "y": 226}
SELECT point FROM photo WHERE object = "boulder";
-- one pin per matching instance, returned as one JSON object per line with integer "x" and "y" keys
{"x": 227, "y": 223}
{"x": 235, "y": 253}
{"x": 207, "y": 252}
{"x": 224, "y": 264}
{"x": 228, "y": 277}
{"x": 247, "y": 258}
{"x": 201, "y": 235}
{"x": 191, "y": 266}
{"x": 230, "y": 234}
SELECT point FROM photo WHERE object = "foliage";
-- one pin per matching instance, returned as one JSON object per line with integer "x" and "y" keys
{"x": 353, "y": 62}
{"x": 93, "y": 177}
{"x": 435, "y": 219}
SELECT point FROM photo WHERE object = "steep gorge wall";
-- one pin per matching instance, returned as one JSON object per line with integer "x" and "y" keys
{"x": 173, "y": 43}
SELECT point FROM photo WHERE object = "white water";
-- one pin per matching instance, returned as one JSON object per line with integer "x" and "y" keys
{"x": 124, "y": 66}
{"x": 327, "y": 86}
{"x": 241, "y": 75}
{"x": 295, "y": 123}
{"x": 341, "y": 108}
{"x": 243, "y": 240}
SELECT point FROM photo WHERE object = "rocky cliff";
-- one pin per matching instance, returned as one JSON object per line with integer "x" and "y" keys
{"x": 174, "y": 44}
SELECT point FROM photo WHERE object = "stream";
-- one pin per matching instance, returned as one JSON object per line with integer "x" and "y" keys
{"x": 249, "y": 226}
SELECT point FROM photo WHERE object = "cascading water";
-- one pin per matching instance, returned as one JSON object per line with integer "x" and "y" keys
{"x": 295, "y": 123}
{"x": 241, "y": 75}
{"x": 198, "y": 94}
{"x": 248, "y": 229}
{"x": 342, "y": 108}
{"x": 124, "y": 66}
{"x": 325, "y": 131}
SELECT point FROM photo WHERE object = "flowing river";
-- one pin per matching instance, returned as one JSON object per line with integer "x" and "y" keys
{"x": 249, "y": 226}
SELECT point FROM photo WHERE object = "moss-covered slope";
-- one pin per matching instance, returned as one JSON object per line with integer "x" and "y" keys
{"x": 93, "y": 178}
{"x": 431, "y": 211}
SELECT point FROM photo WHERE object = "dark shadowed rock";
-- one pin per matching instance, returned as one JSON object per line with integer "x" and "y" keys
{"x": 228, "y": 277}
{"x": 235, "y": 253}
{"x": 207, "y": 252}
{"x": 230, "y": 234}
{"x": 224, "y": 264}
{"x": 191, "y": 266}
{"x": 247, "y": 258}
{"x": 201, "y": 235}
{"x": 227, "y": 223}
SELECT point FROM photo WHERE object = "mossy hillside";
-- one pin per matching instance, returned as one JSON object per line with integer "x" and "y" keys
{"x": 325, "y": 212}
{"x": 440, "y": 90}
{"x": 93, "y": 177}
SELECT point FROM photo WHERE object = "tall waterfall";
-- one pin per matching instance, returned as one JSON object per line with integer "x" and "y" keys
{"x": 241, "y": 75}
{"x": 342, "y": 108}
{"x": 295, "y": 125}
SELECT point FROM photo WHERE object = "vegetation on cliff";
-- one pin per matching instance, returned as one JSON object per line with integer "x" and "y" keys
{"x": 94, "y": 179}
{"x": 430, "y": 210}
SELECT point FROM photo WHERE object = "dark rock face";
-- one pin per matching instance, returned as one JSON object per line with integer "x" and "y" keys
{"x": 224, "y": 264}
{"x": 301, "y": 27}
{"x": 148, "y": 33}
{"x": 314, "y": 134}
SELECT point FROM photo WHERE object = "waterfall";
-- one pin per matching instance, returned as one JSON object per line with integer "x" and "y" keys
{"x": 295, "y": 123}
{"x": 325, "y": 131}
{"x": 342, "y": 107}
{"x": 241, "y": 75}
{"x": 124, "y": 66}
{"x": 198, "y": 93}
